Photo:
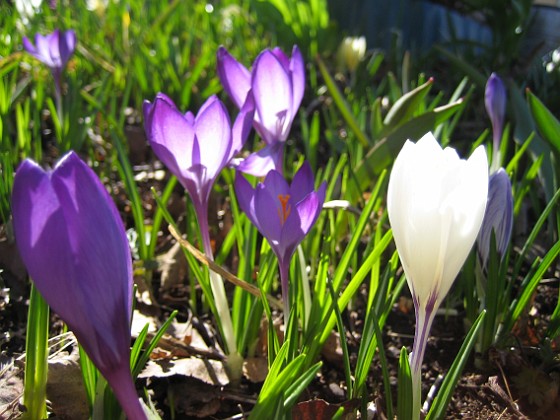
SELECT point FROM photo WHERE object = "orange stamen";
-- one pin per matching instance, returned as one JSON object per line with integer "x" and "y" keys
{"x": 284, "y": 212}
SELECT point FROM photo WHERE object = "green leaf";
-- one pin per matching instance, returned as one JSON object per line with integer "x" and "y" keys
{"x": 404, "y": 393}
{"x": 547, "y": 124}
{"x": 405, "y": 107}
{"x": 437, "y": 410}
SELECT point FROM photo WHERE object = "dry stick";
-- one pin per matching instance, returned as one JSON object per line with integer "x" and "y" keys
{"x": 221, "y": 271}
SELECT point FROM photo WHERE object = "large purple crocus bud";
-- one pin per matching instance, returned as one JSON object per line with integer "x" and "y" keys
{"x": 495, "y": 102}
{"x": 277, "y": 84}
{"x": 498, "y": 217}
{"x": 54, "y": 50}
{"x": 283, "y": 213}
{"x": 73, "y": 243}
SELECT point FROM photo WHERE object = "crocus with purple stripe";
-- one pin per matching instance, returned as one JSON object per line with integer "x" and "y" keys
{"x": 436, "y": 203}
{"x": 73, "y": 243}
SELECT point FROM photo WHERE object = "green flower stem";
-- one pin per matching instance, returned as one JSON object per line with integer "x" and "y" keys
{"x": 424, "y": 320}
{"x": 234, "y": 358}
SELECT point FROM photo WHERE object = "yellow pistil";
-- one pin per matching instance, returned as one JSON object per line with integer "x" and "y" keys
{"x": 284, "y": 212}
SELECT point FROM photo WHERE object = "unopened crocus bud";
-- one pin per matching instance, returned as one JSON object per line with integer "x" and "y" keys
{"x": 351, "y": 52}
{"x": 495, "y": 102}
{"x": 498, "y": 217}
{"x": 73, "y": 243}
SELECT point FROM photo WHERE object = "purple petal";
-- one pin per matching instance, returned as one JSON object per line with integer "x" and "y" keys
{"x": 310, "y": 207}
{"x": 495, "y": 102}
{"x": 282, "y": 57}
{"x": 87, "y": 277}
{"x": 170, "y": 135}
{"x": 297, "y": 68}
{"x": 246, "y": 197}
{"x": 268, "y": 215}
{"x": 66, "y": 46}
{"x": 263, "y": 161}
{"x": 242, "y": 126}
{"x": 303, "y": 182}
{"x": 276, "y": 184}
{"x": 235, "y": 78}
{"x": 213, "y": 135}
{"x": 272, "y": 89}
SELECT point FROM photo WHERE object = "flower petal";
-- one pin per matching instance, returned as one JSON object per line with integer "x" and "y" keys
{"x": 235, "y": 78}
{"x": 272, "y": 89}
{"x": 242, "y": 126}
{"x": 297, "y": 69}
{"x": 262, "y": 162}
{"x": 268, "y": 216}
{"x": 303, "y": 183}
{"x": 246, "y": 197}
{"x": 170, "y": 135}
{"x": 213, "y": 135}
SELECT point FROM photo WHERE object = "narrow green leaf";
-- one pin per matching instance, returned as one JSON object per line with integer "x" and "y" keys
{"x": 438, "y": 408}
{"x": 404, "y": 392}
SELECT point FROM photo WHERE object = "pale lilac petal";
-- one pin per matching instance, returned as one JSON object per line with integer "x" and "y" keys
{"x": 170, "y": 134}
{"x": 282, "y": 57}
{"x": 213, "y": 135}
{"x": 272, "y": 90}
{"x": 263, "y": 161}
{"x": 235, "y": 78}
{"x": 297, "y": 69}
{"x": 242, "y": 126}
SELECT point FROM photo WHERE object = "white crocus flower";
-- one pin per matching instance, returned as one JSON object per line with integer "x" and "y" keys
{"x": 436, "y": 204}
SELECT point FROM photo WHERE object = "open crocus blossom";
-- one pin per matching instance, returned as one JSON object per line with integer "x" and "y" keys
{"x": 283, "y": 213}
{"x": 436, "y": 203}
{"x": 73, "y": 243}
{"x": 54, "y": 50}
{"x": 196, "y": 149}
{"x": 277, "y": 84}
{"x": 498, "y": 217}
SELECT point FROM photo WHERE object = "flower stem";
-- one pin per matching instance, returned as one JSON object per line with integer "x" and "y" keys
{"x": 234, "y": 360}
{"x": 424, "y": 319}
{"x": 284, "y": 267}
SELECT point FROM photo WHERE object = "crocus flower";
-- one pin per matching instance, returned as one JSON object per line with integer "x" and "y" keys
{"x": 277, "y": 84}
{"x": 73, "y": 243}
{"x": 495, "y": 102}
{"x": 283, "y": 213}
{"x": 54, "y": 50}
{"x": 498, "y": 217}
{"x": 436, "y": 203}
{"x": 196, "y": 149}
{"x": 352, "y": 51}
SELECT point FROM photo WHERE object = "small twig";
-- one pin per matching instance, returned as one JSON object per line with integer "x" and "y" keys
{"x": 432, "y": 393}
{"x": 218, "y": 269}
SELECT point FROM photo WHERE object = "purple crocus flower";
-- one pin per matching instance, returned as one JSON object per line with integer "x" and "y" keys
{"x": 498, "y": 216}
{"x": 283, "y": 213}
{"x": 72, "y": 241}
{"x": 277, "y": 84}
{"x": 54, "y": 50}
{"x": 495, "y": 102}
{"x": 196, "y": 149}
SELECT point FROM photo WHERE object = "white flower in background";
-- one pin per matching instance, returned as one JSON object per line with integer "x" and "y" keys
{"x": 436, "y": 203}
{"x": 27, "y": 9}
{"x": 351, "y": 51}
